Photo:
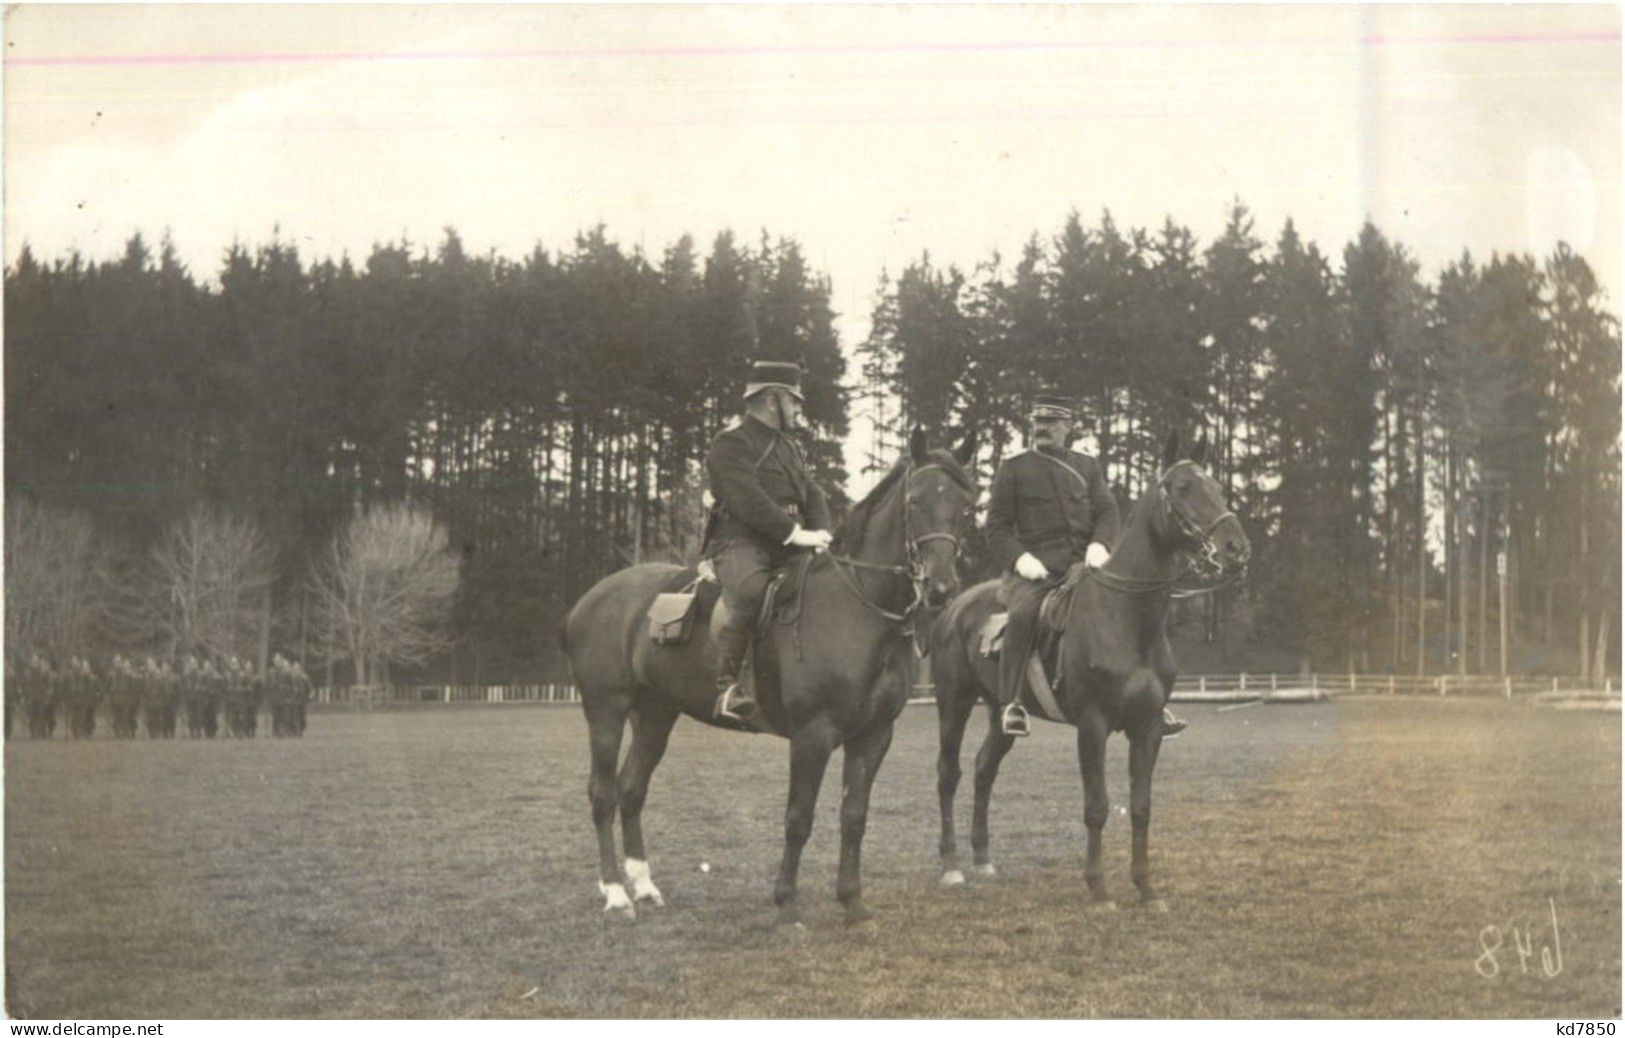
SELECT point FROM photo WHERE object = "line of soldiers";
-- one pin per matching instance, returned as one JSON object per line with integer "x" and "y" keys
{"x": 223, "y": 696}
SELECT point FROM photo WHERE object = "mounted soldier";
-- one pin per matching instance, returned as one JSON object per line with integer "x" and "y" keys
{"x": 835, "y": 666}
{"x": 766, "y": 505}
{"x": 1050, "y": 516}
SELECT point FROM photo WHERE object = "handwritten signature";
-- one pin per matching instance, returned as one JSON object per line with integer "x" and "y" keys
{"x": 1492, "y": 939}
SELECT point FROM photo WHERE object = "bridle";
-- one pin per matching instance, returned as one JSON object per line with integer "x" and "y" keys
{"x": 914, "y": 566}
{"x": 1204, "y": 562}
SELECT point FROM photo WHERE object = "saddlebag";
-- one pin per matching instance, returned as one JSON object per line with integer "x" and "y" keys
{"x": 990, "y": 639}
{"x": 671, "y": 618}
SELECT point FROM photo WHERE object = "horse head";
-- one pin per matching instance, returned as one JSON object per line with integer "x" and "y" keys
{"x": 938, "y": 493}
{"x": 1196, "y": 518}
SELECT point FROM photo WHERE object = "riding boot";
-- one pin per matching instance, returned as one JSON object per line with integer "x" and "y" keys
{"x": 734, "y": 702}
{"x": 1019, "y": 632}
{"x": 1171, "y": 725}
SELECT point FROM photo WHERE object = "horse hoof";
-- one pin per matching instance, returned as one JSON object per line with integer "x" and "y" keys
{"x": 616, "y": 904}
{"x": 858, "y": 916}
{"x": 789, "y": 919}
{"x": 643, "y": 888}
{"x": 985, "y": 870}
{"x": 1155, "y": 904}
{"x": 952, "y": 878}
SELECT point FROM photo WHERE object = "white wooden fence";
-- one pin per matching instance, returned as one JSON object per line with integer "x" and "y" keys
{"x": 1231, "y": 687}
{"x": 1196, "y": 688}
{"x": 359, "y": 696}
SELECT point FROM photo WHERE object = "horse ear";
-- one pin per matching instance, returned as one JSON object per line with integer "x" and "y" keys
{"x": 916, "y": 446}
{"x": 1170, "y": 449}
{"x": 1200, "y": 454}
{"x": 966, "y": 451}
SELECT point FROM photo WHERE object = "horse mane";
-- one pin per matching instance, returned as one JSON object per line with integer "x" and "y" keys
{"x": 850, "y": 533}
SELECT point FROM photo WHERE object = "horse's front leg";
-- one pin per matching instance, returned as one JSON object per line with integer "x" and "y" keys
{"x": 1092, "y": 732}
{"x": 652, "y": 721}
{"x": 810, "y": 747}
{"x": 1142, "y": 761}
{"x": 863, "y": 757}
{"x": 953, "y": 711}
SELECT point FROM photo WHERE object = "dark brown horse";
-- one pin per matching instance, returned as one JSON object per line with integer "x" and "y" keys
{"x": 839, "y": 676}
{"x": 1117, "y": 669}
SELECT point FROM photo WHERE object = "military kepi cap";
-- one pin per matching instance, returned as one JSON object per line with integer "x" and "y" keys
{"x": 772, "y": 374}
{"x": 1050, "y": 404}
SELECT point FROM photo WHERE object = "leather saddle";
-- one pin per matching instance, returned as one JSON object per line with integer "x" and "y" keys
{"x": 1043, "y": 670}
{"x": 673, "y": 614}
{"x": 1051, "y": 621}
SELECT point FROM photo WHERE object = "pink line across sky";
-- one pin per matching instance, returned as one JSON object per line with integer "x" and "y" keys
{"x": 284, "y": 57}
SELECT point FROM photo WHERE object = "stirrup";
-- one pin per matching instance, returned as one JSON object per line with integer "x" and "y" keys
{"x": 1171, "y": 725}
{"x": 734, "y": 705}
{"x": 1014, "y": 720}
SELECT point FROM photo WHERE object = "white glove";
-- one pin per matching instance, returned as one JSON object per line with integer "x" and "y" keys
{"x": 1096, "y": 556}
{"x": 1030, "y": 568}
{"x": 817, "y": 540}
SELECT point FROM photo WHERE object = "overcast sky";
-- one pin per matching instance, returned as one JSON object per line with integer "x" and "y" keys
{"x": 869, "y": 135}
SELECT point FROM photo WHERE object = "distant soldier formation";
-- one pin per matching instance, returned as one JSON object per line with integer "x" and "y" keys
{"x": 218, "y": 696}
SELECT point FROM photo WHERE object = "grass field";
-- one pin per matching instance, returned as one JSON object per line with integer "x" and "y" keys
{"x": 1340, "y": 859}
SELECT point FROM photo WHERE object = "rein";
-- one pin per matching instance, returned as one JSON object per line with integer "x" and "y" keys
{"x": 1207, "y": 565}
{"x": 914, "y": 569}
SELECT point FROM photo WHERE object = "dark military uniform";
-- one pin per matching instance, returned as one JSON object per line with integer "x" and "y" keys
{"x": 124, "y": 698}
{"x": 40, "y": 691}
{"x": 1052, "y": 504}
{"x": 276, "y": 696}
{"x": 299, "y": 699}
{"x": 83, "y": 691}
{"x": 232, "y": 696}
{"x": 157, "y": 700}
{"x": 763, "y": 491}
{"x": 253, "y": 694}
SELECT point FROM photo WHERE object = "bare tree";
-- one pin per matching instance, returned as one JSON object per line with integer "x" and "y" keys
{"x": 204, "y": 586}
{"x": 55, "y": 585}
{"x": 383, "y": 590}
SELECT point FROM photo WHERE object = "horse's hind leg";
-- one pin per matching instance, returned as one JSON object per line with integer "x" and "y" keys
{"x": 862, "y": 760}
{"x": 606, "y": 718}
{"x": 994, "y": 747}
{"x": 953, "y": 711}
{"x": 810, "y": 748}
{"x": 652, "y": 721}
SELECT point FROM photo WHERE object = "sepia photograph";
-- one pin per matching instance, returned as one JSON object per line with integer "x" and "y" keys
{"x": 808, "y": 511}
